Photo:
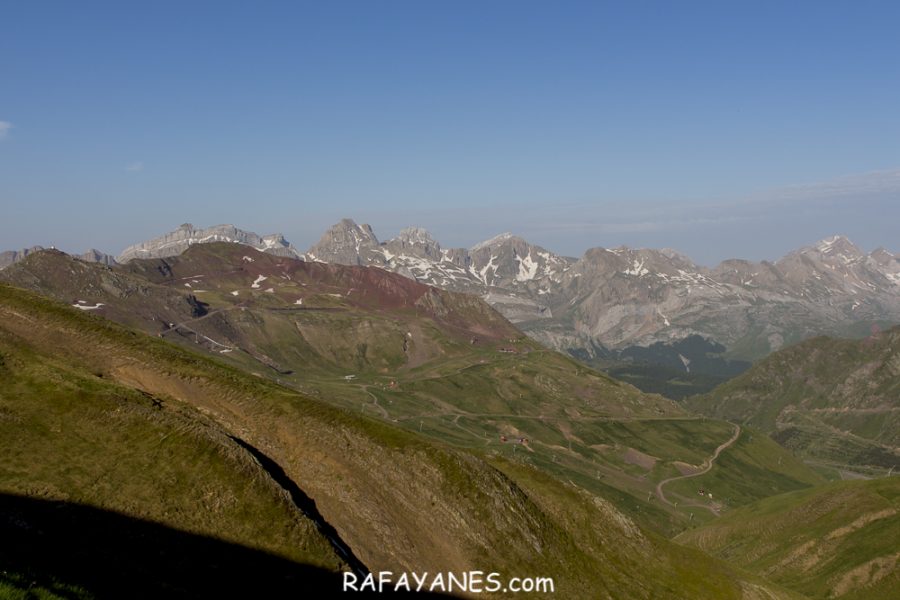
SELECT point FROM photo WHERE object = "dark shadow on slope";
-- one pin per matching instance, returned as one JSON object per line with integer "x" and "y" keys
{"x": 61, "y": 545}
{"x": 308, "y": 506}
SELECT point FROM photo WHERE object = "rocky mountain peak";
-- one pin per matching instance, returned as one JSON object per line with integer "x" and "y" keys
{"x": 839, "y": 246}
{"x": 94, "y": 255}
{"x": 414, "y": 241}
{"x": 677, "y": 256}
{"x": 610, "y": 296}
{"x": 346, "y": 227}
{"x": 415, "y": 235}
{"x": 497, "y": 240}
{"x": 13, "y": 256}
{"x": 176, "y": 242}
{"x": 882, "y": 255}
{"x": 345, "y": 243}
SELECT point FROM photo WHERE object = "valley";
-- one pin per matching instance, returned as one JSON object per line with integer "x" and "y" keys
{"x": 838, "y": 540}
{"x": 462, "y": 300}
{"x": 410, "y": 365}
{"x": 651, "y": 317}
{"x": 831, "y": 401}
{"x": 442, "y": 365}
{"x": 335, "y": 456}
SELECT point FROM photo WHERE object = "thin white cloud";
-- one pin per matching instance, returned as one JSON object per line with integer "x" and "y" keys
{"x": 5, "y": 126}
{"x": 860, "y": 189}
{"x": 872, "y": 183}
{"x": 135, "y": 167}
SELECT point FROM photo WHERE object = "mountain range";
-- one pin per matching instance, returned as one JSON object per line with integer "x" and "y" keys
{"x": 621, "y": 297}
{"x": 369, "y": 406}
{"x": 10, "y": 257}
{"x": 441, "y": 364}
{"x": 600, "y": 306}
{"x": 338, "y": 417}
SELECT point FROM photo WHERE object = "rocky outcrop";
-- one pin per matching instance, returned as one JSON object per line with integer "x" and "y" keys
{"x": 11, "y": 257}
{"x": 176, "y": 242}
{"x": 625, "y": 297}
{"x": 610, "y": 298}
{"x": 621, "y": 297}
{"x": 96, "y": 256}
{"x": 347, "y": 243}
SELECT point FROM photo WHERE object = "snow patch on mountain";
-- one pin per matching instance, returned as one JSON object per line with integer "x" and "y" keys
{"x": 82, "y": 305}
{"x": 827, "y": 244}
{"x": 527, "y": 268}
{"x": 482, "y": 274}
{"x": 637, "y": 268}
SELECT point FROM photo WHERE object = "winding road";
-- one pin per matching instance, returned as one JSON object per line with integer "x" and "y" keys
{"x": 708, "y": 465}
{"x": 384, "y": 413}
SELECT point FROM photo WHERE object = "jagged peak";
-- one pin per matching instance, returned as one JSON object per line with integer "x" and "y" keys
{"x": 882, "y": 251}
{"x": 415, "y": 235}
{"x": 95, "y": 255}
{"x": 673, "y": 254}
{"x": 349, "y": 225}
{"x": 497, "y": 239}
{"x": 346, "y": 223}
{"x": 175, "y": 242}
{"x": 836, "y": 243}
{"x": 344, "y": 243}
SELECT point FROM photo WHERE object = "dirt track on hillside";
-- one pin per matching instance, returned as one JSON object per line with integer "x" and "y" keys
{"x": 708, "y": 464}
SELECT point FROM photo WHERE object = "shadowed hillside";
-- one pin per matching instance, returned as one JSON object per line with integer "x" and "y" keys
{"x": 62, "y": 549}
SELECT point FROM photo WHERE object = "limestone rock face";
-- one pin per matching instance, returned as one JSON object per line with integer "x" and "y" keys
{"x": 610, "y": 298}
{"x": 176, "y": 242}
{"x": 96, "y": 256}
{"x": 346, "y": 243}
{"x": 623, "y": 297}
{"x": 13, "y": 256}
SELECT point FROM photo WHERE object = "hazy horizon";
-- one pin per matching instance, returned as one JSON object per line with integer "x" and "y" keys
{"x": 386, "y": 233}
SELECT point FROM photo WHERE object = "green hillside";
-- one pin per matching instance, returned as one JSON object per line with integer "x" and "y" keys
{"x": 835, "y": 402}
{"x": 101, "y": 416}
{"x": 73, "y": 437}
{"x": 435, "y": 363}
{"x": 833, "y": 541}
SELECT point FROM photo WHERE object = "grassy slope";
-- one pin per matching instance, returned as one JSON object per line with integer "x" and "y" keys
{"x": 415, "y": 365}
{"x": 838, "y": 540}
{"x": 580, "y": 424}
{"x": 828, "y": 399}
{"x": 754, "y": 467}
{"x": 382, "y": 488}
{"x": 68, "y": 435}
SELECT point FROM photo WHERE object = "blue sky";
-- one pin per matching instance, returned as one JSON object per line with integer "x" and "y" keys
{"x": 717, "y": 128}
